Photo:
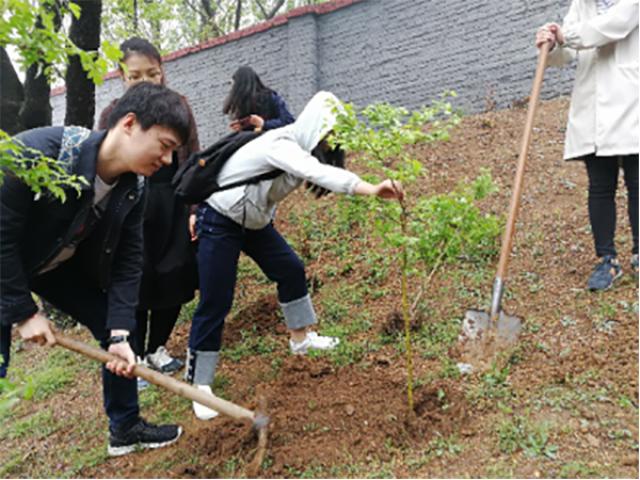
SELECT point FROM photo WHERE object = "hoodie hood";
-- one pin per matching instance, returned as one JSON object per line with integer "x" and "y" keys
{"x": 316, "y": 120}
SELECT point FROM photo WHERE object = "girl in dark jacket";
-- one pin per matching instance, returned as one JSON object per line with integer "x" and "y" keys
{"x": 170, "y": 271}
{"x": 252, "y": 106}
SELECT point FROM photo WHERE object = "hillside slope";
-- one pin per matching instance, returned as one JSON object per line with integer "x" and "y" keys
{"x": 561, "y": 403}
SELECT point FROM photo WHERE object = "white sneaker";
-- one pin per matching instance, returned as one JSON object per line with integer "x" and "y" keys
{"x": 315, "y": 342}
{"x": 202, "y": 412}
{"x": 161, "y": 360}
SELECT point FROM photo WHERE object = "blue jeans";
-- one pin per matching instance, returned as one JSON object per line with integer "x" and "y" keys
{"x": 68, "y": 290}
{"x": 220, "y": 242}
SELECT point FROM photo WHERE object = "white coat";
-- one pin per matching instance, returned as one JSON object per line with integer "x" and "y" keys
{"x": 603, "y": 117}
{"x": 288, "y": 149}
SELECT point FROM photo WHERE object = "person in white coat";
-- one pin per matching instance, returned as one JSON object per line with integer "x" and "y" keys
{"x": 241, "y": 219}
{"x": 603, "y": 128}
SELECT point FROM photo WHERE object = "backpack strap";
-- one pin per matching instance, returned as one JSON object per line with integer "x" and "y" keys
{"x": 250, "y": 181}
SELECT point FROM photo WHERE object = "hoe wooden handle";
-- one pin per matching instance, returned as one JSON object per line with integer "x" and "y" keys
{"x": 507, "y": 239}
{"x": 176, "y": 386}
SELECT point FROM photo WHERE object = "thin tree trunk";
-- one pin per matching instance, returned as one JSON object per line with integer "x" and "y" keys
{"x": 272, "y": 13}
{"x": 85, "y": 33}
{"x": 238, "y": 14}
{"x": 135, "y": 16}
{"x": 36, "y": 108}
{"x": 11, "y": 95}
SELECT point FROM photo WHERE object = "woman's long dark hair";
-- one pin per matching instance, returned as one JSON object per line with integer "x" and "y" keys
{"x": 248, "y": 96}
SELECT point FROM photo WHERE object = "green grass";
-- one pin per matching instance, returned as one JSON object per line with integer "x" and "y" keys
{"x": 251, "y": 343}
{"x": 436, "y": 336}
{"x": 83, "y": 456}
{"x": 187, "y": 311}
{"x": 491, "y": 386}
{"x": 12, "y": 465}
{"x": 349, "y": 351}
{"x": 575, "y": 469}
{"x": 521, "y": 434}
{"x": 53, "y": 373}
{"x": 37, "y": 426}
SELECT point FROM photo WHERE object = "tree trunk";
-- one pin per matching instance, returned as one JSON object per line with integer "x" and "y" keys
{"x": 85, "y": 33}
{"x": 238, "y": 14}
{"x": 11, "y": 96}
{"x": 36, "y": 109}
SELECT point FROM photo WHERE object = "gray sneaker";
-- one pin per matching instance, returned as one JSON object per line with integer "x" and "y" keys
{"x": 163, "y": 362}
{"x": 605, "y": 273}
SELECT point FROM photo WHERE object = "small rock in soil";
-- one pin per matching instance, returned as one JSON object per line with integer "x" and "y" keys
{"x": 593, "y": 441}
{"x": 349, "y": 409}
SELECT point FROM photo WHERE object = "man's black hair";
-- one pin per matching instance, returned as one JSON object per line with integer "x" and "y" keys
{"x": 153, "y": 105}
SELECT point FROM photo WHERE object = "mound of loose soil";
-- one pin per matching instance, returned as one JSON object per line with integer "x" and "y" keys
{"x": 317, "y": 412}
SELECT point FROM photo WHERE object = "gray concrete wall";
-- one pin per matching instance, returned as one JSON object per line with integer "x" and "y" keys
{"x": 401, "y": 51}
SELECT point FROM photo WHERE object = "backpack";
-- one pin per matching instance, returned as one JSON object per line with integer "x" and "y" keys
{"x": 197, "y": 178}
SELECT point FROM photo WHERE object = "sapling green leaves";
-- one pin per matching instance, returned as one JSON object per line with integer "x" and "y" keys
{"x": 423, "y": 232}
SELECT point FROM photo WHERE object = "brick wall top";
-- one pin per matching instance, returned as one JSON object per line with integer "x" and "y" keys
{"x": 276, "y": 21}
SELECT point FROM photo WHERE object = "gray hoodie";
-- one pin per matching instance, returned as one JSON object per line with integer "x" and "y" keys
{"x": 288, "y": 149}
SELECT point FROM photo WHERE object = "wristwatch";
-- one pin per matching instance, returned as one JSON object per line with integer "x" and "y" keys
{"x": 118, "y": 339}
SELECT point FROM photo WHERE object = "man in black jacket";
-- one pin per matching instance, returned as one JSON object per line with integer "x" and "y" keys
{"x": 84, "y": 256}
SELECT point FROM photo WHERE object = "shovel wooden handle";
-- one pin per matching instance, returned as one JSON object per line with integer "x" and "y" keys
{"x": 507, "y": 239}
{"x": 176, "y": 386}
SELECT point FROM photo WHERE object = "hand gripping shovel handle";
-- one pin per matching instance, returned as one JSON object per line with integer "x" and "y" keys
{"x": 176, "y": 386}
{"x": 507, "y": 239}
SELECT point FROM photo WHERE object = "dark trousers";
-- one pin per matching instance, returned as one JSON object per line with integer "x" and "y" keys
{"x": 220, "y": 242}
{"x": 160, "y": 325}
{"x": 603, "y": 183}
{"x": 67, "y": 289}
{"x": 5, "y": 349}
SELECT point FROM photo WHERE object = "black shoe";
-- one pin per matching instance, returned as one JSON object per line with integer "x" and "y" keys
{"x": 605, "y": 273}
{"x": 142, "y": 435}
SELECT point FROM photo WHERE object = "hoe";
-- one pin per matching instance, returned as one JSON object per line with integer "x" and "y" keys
{"x": 258, "y": 419}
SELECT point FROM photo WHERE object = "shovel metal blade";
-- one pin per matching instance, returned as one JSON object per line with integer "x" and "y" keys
{"x": 477, "y": 324}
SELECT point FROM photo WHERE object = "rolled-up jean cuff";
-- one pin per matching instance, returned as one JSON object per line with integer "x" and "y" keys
{"x": 299, "y": 313}
{"x": 205, "y": 368}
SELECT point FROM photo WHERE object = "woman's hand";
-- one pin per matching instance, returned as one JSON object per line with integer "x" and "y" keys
{"x": 550, "y": 32}
{"x": 388, "y": 189}
{"x": 192, "y": 227}
{"x": 37, "y": 329}
{"x": 257, "y": 121}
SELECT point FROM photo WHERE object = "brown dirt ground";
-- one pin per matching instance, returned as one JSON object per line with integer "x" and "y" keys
{"x": 355, "y": 415}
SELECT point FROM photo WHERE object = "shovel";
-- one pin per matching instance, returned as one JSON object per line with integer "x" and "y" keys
{"x": 258, "y": 419}
{"x": 506, "y": 328}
